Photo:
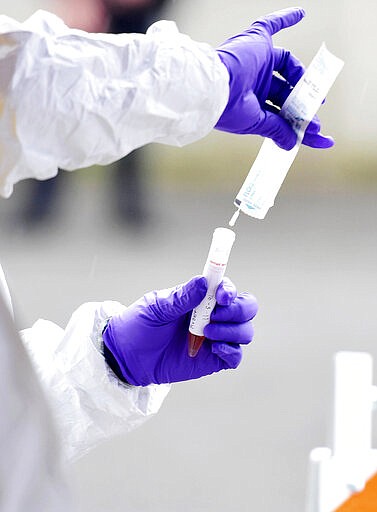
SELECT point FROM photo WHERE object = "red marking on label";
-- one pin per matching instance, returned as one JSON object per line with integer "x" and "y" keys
{"x": 217, "y": 264}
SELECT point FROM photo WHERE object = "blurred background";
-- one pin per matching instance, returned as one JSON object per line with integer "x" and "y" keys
{"x": 239, "y": 440}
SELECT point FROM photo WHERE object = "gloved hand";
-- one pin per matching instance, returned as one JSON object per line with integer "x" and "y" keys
{"x": 251, "y": 59}
{"x": 147, "y": 342}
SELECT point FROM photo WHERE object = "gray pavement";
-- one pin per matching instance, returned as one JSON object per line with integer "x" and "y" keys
{"x": 237, "y": 441}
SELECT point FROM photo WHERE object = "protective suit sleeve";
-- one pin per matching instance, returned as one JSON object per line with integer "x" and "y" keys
{"x": 89, "y": 403}
{"x": 70, "y": 99}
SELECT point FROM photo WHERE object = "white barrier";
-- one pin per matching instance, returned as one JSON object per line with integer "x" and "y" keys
{"x": 337, "y": 472}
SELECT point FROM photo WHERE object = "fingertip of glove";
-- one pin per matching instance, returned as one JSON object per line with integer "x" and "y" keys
{"x": 253, "y": 304}
{"x": 318, "y": 141}
{"x": 197, "y": 285}
{"x": 200, "y": 282}
{"x": 226, "y": 292}
{"x": 278, "y": 129}
{"x": 300, "y": 11}
{"x": 287, "y": 144}
{"x": 224, "y": 298}
{"x": 328, "y": 142}
{"x": 230, "y": 354}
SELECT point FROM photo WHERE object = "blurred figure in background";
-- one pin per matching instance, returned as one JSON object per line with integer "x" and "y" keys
{"x": 127, "y": 174}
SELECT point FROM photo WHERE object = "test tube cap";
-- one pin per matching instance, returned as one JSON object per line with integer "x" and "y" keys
{"x": 225, "y": 234}
{"x": 222, "y": 241}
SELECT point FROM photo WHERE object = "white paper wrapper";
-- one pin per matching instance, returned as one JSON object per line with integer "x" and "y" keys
{"x": 272, "y": 164}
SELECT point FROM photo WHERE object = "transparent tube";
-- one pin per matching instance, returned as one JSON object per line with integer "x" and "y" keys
{"x": 214, "y": 270}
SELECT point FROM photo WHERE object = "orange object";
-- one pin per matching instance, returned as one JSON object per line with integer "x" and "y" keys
{"x": 194, "y": 344}
{"x": 364, "y": 501}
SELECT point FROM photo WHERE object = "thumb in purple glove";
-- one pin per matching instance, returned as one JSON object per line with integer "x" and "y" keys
{"x": 255, "y": 94}
{"x": 148, "y": 341}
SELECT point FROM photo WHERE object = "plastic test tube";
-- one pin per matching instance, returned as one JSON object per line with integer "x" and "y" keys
{"x": 214, "y": 270}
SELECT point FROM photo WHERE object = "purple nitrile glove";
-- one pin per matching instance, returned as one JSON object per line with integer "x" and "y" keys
{"x": 251, "y": 60}
{"x": 149, "y": 339}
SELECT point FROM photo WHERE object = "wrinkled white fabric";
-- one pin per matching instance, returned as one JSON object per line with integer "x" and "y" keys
{"x": 70, "y": 379}
{"x": 70, "y": 99}
{"x": 88, "y": 401}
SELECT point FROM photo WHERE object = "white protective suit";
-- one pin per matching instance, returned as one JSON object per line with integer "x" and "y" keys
{"x": 70, "y": 99}
{"x": 31, "y": 477}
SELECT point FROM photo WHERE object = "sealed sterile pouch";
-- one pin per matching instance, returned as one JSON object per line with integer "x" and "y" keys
{"x": 272, "y": 164}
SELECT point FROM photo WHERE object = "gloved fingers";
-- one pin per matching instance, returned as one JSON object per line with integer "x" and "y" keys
{"x": 312, "y": 137}
{"x": 231, "y": 354}
{"x": 188, "y": 295}
{"x": 287, "y": 65}
{"x": 241, "y": 333}
{"x": 317, "y": 140}
{"x": 243, "y": 308}
{"x": 276, "y": 128}
{"x": 314, "y": 126}
{"x": 226, "y": 292}
{"x": 279, "y": 91}
{"x": 168, "y": 305}
{"x": 278, "y": 20}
